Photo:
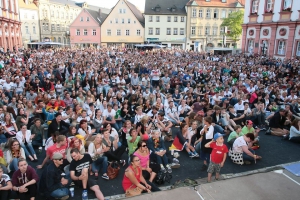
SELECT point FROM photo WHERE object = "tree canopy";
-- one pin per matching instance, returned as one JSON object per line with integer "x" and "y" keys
{"x": 234, "y": 23}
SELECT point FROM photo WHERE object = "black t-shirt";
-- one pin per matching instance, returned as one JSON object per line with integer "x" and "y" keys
{"x": 78, "y": 165}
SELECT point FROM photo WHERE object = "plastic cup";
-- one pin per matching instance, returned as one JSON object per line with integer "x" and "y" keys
{"x": 71, "y": 192}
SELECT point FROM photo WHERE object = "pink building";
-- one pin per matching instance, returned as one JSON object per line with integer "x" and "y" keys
{"x": 10, "y": 26}
{"x": 85, "y": 29}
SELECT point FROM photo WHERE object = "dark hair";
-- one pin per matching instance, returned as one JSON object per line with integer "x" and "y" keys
{"x": 139, "y": 145}
{"x": 237, "y": 127}
{"x": 11, "y": 110}
{"x": 132, "y": 156}
{"x": 74, "y": 150}
{"x": 295, "y": 123}
{"x": 208, "y": 119}
{"x": 11, "y": 141}
{"x": 250, "y": 135}
{"x": 182, "y": 125}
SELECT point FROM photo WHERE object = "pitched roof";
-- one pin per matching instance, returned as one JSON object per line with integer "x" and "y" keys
{"x": 95, "y": 8}
{"x": 218, "y": 3}
{"x": 95, "y": 14}
{"x": 165, "y": 7}
{"x": 138, "y": 14}
{"x": 66, "y": 2}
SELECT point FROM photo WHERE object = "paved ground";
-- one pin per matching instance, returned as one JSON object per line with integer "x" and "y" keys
{"x": 273, "y": 150}
{"x": 263, "y": 186}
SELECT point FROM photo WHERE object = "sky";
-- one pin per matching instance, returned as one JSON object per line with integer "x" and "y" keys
{"x": 140, "y": 4}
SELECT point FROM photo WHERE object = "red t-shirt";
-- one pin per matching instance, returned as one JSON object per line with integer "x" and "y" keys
{"x": 218, "y": 152}
{"x": 53, "y": 149}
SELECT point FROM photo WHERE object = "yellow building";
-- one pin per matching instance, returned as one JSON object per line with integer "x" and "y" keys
{"x": 204, "y": 19}
{"x": 124, "y": 26}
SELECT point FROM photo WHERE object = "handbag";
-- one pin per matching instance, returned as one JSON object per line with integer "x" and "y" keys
{"x": 131, "y": 192}
{"x": 113, "y": 170}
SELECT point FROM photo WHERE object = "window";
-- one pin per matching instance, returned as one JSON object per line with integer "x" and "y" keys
{"x": 110, "y": 21}
{"x": 150, "y": 18}
{"x": 25, "y": 15}
{"x": 67, "y": 15}
{"x": 157, "y": 18}
{"x": 224, "y": 1}
{"x": 200, "y": 30}
{"x": 134, "y": 22}
{"x": 200, "y": 13}
{"x": 138, "y": 32}
{"x": 128, "y": 21}
{"x": 216, "y": 14}
{"x": 71, "y": 16}
{"x": 26, "y": 30}
{"x": 33, "y": 30}
{"x": 175, "y": 31}
{"x": 157, "y": 31}
{"x": 150, "y": 31}
{"x": 175, "y": 19}
{"x": 120, "y": 10}
{"x": 169, "y": 19}
{"x": 32, "y": 17}
{"x": 59, "y": 40}
{"x": 62, "y": 15}
{"x": 194, "y": 11}
{"x": 54, "y": 39}
{"x": 57, "y": 27}
{"x": 57, "y": 14}
{"x": 52, "y": 27}
{"x": 207, "y": 31}
{"x": 193, "y": 30}
{"x": 222, "y": 30}
{"x": 52, "y": 13}
{"x": 181, "y": 31}
{"x": 223, "y": 14}
{"x": 124, "y": 10}
{"x": 254, "y": 6}
{"x": 118, "y": 32}
{"x": 81, "y": 19}
{"x": 208, "y": 13}
{"x": 78, "y": 32}
{"x": 84, "y": 31}
{"x": 182, "y": 19}
{"x": 269, "y": 6}
{"x": 215, "y": 30}
{"x": 123, "y": 21}
{"x": 87, "y": 19}
{"x": 127, "y": 32}
{"x": 116, "y": 20}
{"x": 287, "y": 4}
{"x": 108, "y": 32}
{"x": 298, "y": 49}
{"x": 168, "y": 31}
{"x": 281, "y": 48}
{"x": 95, "y": 32}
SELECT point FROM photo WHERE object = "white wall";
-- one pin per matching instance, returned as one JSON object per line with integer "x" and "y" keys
{"x": 247, "y": 11}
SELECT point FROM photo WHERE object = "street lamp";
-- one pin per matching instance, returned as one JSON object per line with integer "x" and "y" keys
{"x": 264, "y": 48}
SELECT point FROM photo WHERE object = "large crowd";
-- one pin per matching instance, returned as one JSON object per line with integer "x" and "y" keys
{"x": 94, "y": 109}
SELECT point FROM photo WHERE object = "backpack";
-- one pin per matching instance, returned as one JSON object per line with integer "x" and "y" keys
{"x": 161, "y": 178}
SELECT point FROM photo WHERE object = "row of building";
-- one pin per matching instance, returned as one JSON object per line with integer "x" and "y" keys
{"x": 183, "y": 24}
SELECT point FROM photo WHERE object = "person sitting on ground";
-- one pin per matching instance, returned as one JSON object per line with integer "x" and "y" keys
{"x": 38, "y": 131}
{"x": 234, "y": 134}
{"x": 24, "y": 181}
{"x": 80, "y": 175}
{"x": 241, "y": 151}
{"x": 248, "y": 128}
{"x": 133, "y": 141}
{"x": 259, "y": 115}
{"x": 133, "y": 177}
{"x": 13, "y": 154}
{"x": 187, "y": 135}
{"x": 295, "y": 131}
{"x": 157, "y": 146}
{"x": 59, "y": 125}
{"x": 75, "y": 143}
{"x": 6, "y": 185}
{"x": 149, "y": 169}
{"x": 87, "y": 132}
{"x": 279, "y": 123}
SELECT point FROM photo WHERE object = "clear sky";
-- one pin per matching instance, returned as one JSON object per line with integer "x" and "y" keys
{"x": 140, "y": 4}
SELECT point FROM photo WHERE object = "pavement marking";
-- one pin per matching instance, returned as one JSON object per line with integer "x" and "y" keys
{"x": 281, "y": 172}
{"x": 199, "y": 195}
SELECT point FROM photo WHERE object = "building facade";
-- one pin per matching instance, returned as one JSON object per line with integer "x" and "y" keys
{"x": 85, "y": 30}
{"x": 124, "y": 26}
{"x": 165, "y": 22}
{"x": 272, "y": 28}
{"x": 204, "y": 19}
{"x": 29, "y": 17}
{"x": 10, "y": 25}
{"x": 55, "y": 19}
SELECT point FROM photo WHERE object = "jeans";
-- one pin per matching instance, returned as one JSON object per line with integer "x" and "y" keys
{"x": 101, "y": 162}
{"x": 247, "y": 157}
{"x": 161, "y": 159}
{"x": 106, "y": 88}
{"x": 115, "y": 125}
{"x": 154, "y": 188}
{"x": 174, "y": 122}
{"x": 63, "y": 190}
{"x": 259, "y": 119}
{"x": 13, "y": 166}
{"x": 218, "y": 129}
{"x": 3, "y": 139}
{"x": 29, "y": 145}
{"x": 198, "y": 147}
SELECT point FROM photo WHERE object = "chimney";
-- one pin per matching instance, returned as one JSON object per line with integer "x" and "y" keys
{"x": 99, "y": 12}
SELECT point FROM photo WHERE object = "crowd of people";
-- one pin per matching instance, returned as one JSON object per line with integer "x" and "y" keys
{"x": 88, "y": 108}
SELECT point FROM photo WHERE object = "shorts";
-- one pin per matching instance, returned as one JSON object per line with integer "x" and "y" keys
{"x": 90, "y": 183}
{"x": 213, "y": 167}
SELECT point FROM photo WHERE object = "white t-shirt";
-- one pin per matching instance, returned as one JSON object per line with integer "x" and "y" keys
{"x": 111, "y": 114}
{"x": 238, "y": 143}
{"x": 155, "y": 74}
{"x": 83, "y": 133}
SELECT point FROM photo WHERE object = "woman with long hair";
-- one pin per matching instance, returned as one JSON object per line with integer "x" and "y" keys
{"x": 149, "y": 169}
{"x": 14, "y": 152}
{"x": 11, "y": 110}
{"x": 75, "y": 143}
{"x": 25, "y": 137}
{"x": 22, "y": 118}
{"x": 30, "y": 108}
{"x": 98, "y": 120}
{"x": 87, "y": 132}
{"x": 9, "y": 125}
{"x": 127, "y": 126}
{"x": 187, "y": 135}
{"x": 96, "y": 150}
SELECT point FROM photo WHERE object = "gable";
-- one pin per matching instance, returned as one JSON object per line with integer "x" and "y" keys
{"x": 86, "y": 13}
{"x": 194, "y": 3}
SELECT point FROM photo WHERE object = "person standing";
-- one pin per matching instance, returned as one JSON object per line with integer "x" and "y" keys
{"x": 79, "y": 172}
{"x": 25, "y": 180}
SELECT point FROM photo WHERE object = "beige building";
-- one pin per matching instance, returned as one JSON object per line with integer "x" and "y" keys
{"x": 204, "y": 19}
{"x": 56, "y": 17}
{"x": 124, "y": 26}
{"x": 29, "y": 17}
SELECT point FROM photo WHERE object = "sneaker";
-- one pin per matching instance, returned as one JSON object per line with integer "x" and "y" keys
{"x": 191, "y": 155}
{"x": 204, "y": 167}
{"x": 163, "y": 170}
{"x": 175, "y": 160}
{"x": 105, "y": 177}
{"x": 169, "y": 169}
{"x": 196, "y": 154}
{"x": 123, "y": 162}
{"x": 175, "y": 165}
{"x": 84, "y": 195}
{"x": 64, "y": 197}
{"x": 72, "y": 184}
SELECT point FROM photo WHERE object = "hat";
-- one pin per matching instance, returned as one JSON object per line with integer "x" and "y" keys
{"x": 201, "y": 113}
{"x": 249, "y": 122}
{"x": 57, "y": 156}
{"x": 57, "y": 114}
{"x": 217, "y": 135}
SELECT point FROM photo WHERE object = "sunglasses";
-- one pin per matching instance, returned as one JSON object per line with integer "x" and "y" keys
{"x": 59, "y": 159}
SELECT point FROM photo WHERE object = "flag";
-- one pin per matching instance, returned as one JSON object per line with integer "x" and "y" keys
{"x": 176, "y": 145}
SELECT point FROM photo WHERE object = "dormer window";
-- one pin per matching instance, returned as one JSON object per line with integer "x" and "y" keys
{"x": 157, "y": 8}
{"x": 173, "y": 9}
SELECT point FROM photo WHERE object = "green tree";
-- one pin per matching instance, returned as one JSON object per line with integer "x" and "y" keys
{"x": 234, "y": 23}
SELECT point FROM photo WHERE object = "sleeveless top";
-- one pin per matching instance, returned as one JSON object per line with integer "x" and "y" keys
{"x": 126, "y": 183}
